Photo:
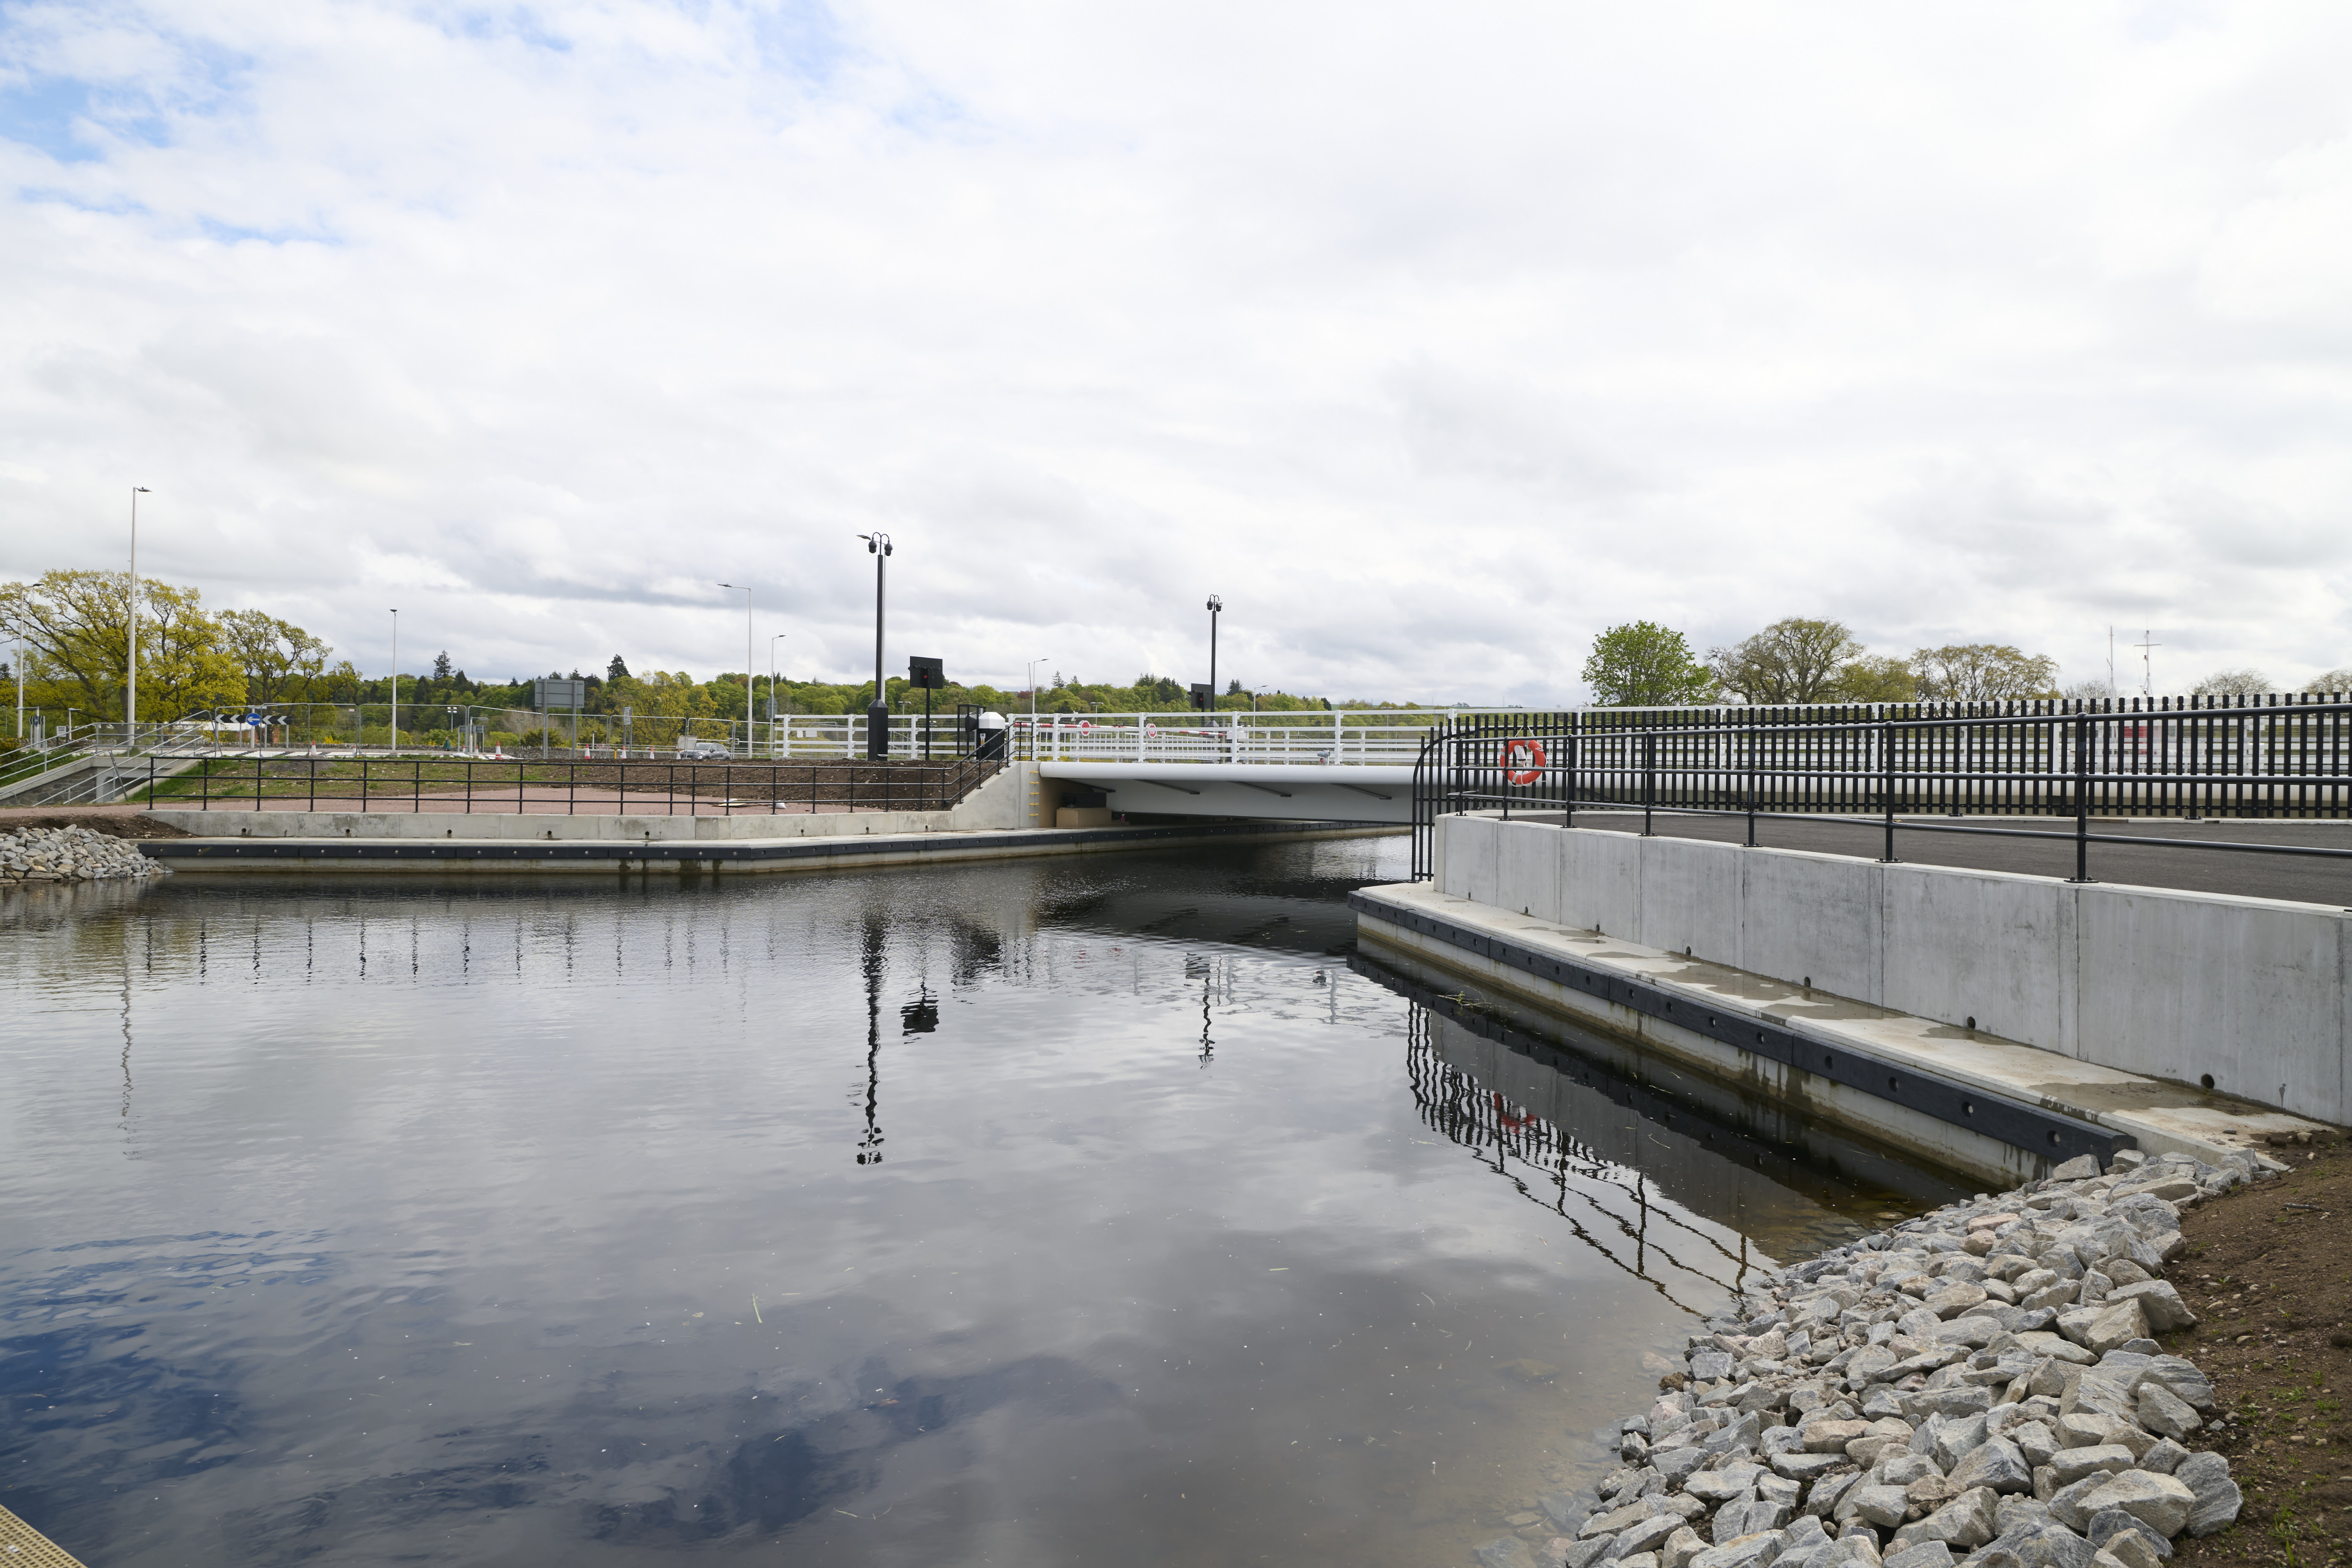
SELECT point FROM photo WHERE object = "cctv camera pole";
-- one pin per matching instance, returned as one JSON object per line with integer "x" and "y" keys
{"x": 877, "y": 714}
{"x": 1216, "y": 604}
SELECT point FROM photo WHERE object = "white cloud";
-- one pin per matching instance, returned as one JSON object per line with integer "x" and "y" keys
{"x": 1432, "y": 340}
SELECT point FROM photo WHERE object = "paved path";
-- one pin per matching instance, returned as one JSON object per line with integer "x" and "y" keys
{"x": 2308, "y": 879}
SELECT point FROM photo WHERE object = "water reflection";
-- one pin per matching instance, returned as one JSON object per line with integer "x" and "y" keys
{"x": 509, "y": 1222}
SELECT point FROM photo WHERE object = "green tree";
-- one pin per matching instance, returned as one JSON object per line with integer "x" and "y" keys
{"x": 1983, "y": 672}
{"x": 1644, "y": 665}
{"x": 1874, "y": 677}
{"x": 1794, "y": 659}
{"x": 282, "y": 663}
{"x": 2233, "y": 683}
{"x": 77, "y": 644}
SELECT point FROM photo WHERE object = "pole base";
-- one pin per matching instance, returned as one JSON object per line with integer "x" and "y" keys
{"x": 877, "y": 732}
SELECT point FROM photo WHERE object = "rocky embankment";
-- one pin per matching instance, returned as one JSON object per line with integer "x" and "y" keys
{"x": 71, "y": 854}
{"x": 1981, "y": 1385}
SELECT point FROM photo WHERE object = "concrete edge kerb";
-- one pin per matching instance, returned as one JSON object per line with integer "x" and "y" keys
{"x": 622, "y": 855}
{"x": 2049, "y": 1133}
{"x": 1519, "y": 952}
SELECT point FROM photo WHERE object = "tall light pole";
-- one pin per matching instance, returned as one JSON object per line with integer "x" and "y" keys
{"x": 773, "y": 638}
{"x": 877, "y": 714}
{"x": 1216, "y": 607}
{"x": 130, "y": 702}
{"x": 747, "y": 662}
{"x": 395, "y": 680}
{"x": 1032, "y": 688}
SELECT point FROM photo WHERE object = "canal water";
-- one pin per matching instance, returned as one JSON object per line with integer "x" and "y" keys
{"x": 1027, "y": 1213}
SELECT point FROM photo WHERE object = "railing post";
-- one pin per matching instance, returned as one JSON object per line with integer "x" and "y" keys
{"x": 1748, "y": 738}
{"x": 2082, "y": 798}
{"x": 1649, "y": 780}
{"x": 1887, "y": 785}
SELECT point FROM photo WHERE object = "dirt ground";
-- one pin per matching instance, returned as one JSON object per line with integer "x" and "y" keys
{"x": 115, "y": 821}
{"x": 2269, "y": 1274}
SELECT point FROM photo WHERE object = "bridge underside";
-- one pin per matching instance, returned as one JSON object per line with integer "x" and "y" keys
{"x": 1270, "y": 791}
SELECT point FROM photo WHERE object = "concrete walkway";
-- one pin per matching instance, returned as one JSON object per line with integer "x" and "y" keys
{"x": 2307, "y": 881}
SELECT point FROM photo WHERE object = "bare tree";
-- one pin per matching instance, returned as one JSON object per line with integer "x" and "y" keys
{"x": 2335, "y": 682}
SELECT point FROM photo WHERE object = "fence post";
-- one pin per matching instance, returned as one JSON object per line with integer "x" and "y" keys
{"x": 1748, "y": 738}
{"x": 151, "y": 781}
{"x": 1649, "y": 780}
{"x": 257, "y": 781}
{"x": 1568, "y": 812}
{"x": 2082, "y": 798}
{"x": 1887, "y": 785}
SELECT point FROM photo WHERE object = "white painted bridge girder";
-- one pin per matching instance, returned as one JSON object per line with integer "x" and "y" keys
{"x": 1284, "y": 791}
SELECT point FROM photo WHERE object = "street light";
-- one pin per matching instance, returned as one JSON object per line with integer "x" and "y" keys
{"x": 1216, "y": 607}
{"x": 131, "y": 703}
{"x": 877, "y": 714}
{"x": 747, "y": 662}
{"x": 773, "y": 638}
{"x": 1033, "y": 690}
{"x": 395, "y": 680}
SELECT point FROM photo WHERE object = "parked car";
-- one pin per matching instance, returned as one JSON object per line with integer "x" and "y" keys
{"x": 704, "y": 751}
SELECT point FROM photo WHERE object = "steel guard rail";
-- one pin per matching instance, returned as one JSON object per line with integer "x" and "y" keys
{"x": 2200, "y": 761}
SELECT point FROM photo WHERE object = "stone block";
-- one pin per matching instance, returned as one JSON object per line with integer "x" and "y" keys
{"x": 2163, "y": 1503}
{"x": 2216, "y": 1497}
{"x": 1882, "y": 1506}
{"x": 1748, "y": 1552}
{"x": 2160, "y": 1304}
{"x": 2164, "y": 1413}
{"x": 2110, "y": 1524}
{"x": 2117, "y": 1326}
{"x": 1997, "y": 1464}
{"x": 2073, "y": 1465}
{"x": 1680, "y": 1547}
{"x": 1964, "y": 1523}
{"x": 1925, "y": 1554}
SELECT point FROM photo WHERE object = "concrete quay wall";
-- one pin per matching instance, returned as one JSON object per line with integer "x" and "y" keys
{"x": 2240, "y": 994}
{"x": 1002, "y": 804}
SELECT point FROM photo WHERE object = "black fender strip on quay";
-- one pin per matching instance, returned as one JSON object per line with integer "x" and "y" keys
{"x": 2053, "y": 1134}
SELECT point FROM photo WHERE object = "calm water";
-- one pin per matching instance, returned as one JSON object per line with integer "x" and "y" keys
{"x": 1057, "y": 1212}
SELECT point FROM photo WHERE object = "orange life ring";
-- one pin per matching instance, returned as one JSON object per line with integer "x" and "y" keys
{"x": 1523, "y": 761}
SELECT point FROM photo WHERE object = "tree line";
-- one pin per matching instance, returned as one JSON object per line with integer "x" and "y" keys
{"x": 1804, "y": 659}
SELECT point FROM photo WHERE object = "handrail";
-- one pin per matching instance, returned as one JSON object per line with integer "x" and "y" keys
{"x": 2198, "y": 761}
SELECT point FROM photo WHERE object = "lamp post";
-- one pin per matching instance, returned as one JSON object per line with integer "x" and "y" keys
{"x": 773, "y": 638}
{"x": 395, "y": 680}
{"x": 131, "y": 701}
{"x": 1033, "y": 690}
{"x": 1216, "y": 607}
{"x": 877, "y": 712}
{"x": 748, "y": 638}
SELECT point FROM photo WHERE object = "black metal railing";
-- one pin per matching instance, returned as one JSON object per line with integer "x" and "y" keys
{"x": 2195, "y": 759}
{"x": 263, "y": 782}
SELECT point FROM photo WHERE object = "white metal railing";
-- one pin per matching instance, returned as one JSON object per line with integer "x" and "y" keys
{"x": 1390, "y": 736}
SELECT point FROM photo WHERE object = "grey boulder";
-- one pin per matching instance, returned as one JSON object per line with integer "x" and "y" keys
{"x": 2217, "y": 1498}
{"x": 1503, "y": 1551}
{"x": 2162, "y": 1502}
{"x": 1996, "y": 1464}
{"x": 1748, "y": 1552}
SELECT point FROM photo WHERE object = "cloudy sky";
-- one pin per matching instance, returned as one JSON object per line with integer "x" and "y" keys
{"x": 1433, "y": 338}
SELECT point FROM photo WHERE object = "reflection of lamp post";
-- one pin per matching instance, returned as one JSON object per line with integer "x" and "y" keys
{"x": 869, "y": 1147}
{"x": 877, "y": 714}
{"x": 131, "y": 701}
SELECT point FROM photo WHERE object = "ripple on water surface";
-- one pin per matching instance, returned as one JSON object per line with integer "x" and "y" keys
{"x": 1025, "y": 1214}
